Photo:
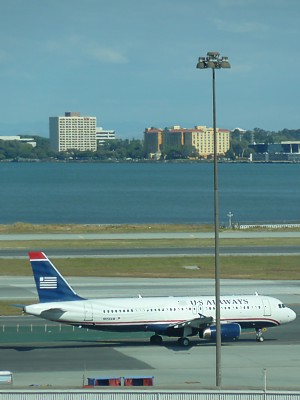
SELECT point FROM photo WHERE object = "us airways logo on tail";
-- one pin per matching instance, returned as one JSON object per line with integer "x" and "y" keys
{"x": 48, "y": 282}
{"x": 51, "y": 285}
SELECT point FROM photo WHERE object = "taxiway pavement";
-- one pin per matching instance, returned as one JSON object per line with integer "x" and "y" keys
{"x": 55, "y": 360}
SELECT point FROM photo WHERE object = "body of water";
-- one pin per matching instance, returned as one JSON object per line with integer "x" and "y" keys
{"x": 121, "y": 193}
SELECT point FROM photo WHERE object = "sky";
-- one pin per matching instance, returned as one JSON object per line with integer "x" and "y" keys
{"x": 132, "y": 63}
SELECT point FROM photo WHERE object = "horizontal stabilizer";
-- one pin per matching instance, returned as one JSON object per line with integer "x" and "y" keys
{"x": 18, "y": 306}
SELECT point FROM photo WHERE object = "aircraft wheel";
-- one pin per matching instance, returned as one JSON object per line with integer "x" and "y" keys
{"x": 156, "y": 339}
{"x": 259, "y": 336}
{"x": 184, "y": 342}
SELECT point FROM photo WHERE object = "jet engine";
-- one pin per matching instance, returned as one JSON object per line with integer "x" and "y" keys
{"x": 228, "y": 332}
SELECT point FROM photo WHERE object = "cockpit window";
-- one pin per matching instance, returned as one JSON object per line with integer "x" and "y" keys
{"x": 281, "y": 305}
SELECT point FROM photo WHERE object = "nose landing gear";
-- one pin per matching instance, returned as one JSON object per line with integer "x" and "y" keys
{"x": 259, "y": 335}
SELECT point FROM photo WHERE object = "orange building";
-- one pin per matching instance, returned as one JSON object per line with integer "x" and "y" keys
{"x": 201, "y": 138}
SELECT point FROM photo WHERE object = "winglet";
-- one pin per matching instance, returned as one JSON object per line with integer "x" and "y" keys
{"x": 50, "y": 284}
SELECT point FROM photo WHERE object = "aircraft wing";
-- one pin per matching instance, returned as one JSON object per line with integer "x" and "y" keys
{"x": 197, "y": 323}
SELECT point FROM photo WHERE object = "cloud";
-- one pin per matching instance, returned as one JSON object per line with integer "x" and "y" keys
{"x": 243, "y": 68}
{"x": 107, "y": 55}
{"x": 75, "y": 45}
{"x": 239, "y": 26}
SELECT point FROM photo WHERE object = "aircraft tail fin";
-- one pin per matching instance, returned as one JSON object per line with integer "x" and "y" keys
{"x": 50, "y": 284}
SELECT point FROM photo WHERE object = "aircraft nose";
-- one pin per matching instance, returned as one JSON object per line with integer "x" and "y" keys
{"x": 292, "y": 315}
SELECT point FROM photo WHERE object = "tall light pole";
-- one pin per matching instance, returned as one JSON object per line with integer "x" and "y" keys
{"x": 214, "y": 61}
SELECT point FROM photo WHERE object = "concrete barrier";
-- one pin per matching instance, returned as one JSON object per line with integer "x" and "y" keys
{"x": 146, "y": 394}
{"x": 269, "y": 226}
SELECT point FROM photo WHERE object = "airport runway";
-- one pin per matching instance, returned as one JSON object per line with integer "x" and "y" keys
{"x": 58, "y": 360}
{"x": 21, "y": 252}
{"x": 155, "y": 251}
{"x": 226, "y": 234}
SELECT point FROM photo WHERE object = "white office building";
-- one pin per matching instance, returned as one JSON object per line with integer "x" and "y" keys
{"x": 73, "y": 132}
{"x": 102, "y": 135}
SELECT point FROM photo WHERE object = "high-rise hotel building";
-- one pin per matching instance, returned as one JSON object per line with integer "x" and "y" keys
{"x": 73, "y": 132}
{"x": 201, "y": 138}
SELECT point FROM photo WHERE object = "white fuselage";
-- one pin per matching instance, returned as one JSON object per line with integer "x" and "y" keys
{"x": 147, "y": 313}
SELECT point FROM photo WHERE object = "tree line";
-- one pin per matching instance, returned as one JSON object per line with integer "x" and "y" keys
{"x": 14, "y": 150}
{"x": 239, "y": 142}
{"x": 125, "y": 149}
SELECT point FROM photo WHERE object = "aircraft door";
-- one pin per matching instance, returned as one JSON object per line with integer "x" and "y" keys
{"x": 200, "y": 309}
{"x": 267, "y": 307}
{"x": 88, "y": 312}
{"x": 197, "y": 309}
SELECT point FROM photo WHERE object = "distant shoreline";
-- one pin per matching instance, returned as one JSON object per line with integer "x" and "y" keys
{"x": 22, "y": 227}
{"x": 179, "y": 161}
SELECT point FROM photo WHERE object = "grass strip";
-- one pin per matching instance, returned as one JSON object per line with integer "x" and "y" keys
{"x": 22, "y": 227}
{"x": 142, "y": 243}
{"x": 238, "y": 267}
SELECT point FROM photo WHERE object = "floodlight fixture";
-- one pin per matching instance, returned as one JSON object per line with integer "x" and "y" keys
{"x": 213, "y": 60}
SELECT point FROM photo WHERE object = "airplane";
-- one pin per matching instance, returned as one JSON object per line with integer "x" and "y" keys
{"x": 179, "y": 317}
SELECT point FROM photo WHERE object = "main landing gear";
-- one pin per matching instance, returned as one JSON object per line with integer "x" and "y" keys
{"x": 183, "y": 341}
{"x": 157, "y": 339}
